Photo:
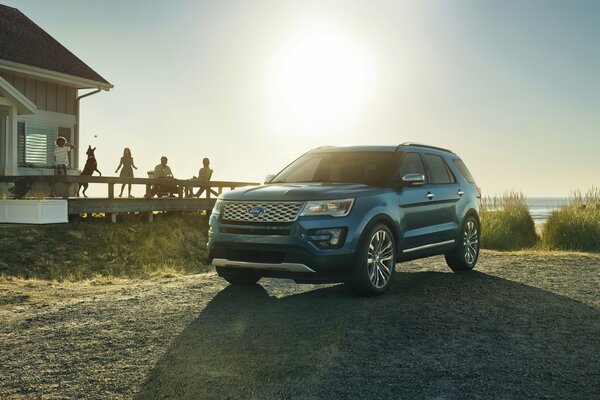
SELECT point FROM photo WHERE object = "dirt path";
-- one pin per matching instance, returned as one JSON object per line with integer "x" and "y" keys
{"x": 525, "y": 325}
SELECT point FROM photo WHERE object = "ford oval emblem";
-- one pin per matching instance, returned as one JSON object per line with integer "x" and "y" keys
{"x": 257, "y": 210}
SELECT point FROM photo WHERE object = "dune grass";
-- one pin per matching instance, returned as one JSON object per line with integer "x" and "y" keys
{"x": 506, "y": 223}
{"x": 575, "y": 226}
{"x": 80, "y": 250}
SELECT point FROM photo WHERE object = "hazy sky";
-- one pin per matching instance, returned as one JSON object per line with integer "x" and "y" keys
{"x": 512, "y": 87}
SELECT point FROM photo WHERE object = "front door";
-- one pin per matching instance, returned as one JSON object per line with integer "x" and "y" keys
{"x": 3, "y": 140}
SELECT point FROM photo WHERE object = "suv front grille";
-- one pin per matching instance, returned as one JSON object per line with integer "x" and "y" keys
{"x": 269, "y": 211}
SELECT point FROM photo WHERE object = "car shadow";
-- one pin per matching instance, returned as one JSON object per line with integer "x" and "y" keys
{"x": 433, "y": 335}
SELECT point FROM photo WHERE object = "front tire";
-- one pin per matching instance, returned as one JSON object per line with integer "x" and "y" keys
{"x": 465, "y": 256}
{"x": 375, "y": 262}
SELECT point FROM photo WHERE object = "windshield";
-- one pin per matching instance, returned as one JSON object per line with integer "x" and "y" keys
{"x": 368, "y": 167}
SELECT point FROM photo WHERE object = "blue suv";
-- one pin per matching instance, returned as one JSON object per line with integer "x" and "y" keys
{"x": 349, "y": 214}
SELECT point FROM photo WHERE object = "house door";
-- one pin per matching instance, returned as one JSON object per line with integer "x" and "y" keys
{"x": 3, "y": 139}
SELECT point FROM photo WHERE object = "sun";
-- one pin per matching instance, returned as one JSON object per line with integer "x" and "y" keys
{"x": 318, "y": 81}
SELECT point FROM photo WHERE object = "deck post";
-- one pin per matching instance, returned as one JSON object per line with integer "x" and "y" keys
{"x": 150, "y": 216}
{"x": 111, "y": 190}
{"x": 113, "y": 217}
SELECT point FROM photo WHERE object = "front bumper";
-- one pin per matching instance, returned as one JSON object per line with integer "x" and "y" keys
{"x": 288, "y": 253}
{"x": 289, "y": 267}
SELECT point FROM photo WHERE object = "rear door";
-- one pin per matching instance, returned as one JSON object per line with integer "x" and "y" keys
{"x": 415, "y": 206}
{"x": 448, "y": 195}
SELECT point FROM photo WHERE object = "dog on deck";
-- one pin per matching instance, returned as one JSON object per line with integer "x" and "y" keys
{"x": 91, "y": 166}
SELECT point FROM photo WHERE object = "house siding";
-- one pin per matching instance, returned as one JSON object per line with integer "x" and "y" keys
{"x": 47, "y": 96}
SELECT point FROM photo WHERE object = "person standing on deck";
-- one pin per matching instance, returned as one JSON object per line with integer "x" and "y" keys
{"x": 127, "y": 171}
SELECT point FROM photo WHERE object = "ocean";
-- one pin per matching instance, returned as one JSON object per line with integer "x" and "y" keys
{"x": 540, "y": 208}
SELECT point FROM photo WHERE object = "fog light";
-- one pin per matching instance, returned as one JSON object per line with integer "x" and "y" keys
{"x": 329, "y": 237}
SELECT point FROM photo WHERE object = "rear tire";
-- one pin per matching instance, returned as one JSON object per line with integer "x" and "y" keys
{"x": 375, "y": 262}
{"x": 464, "y": 256}
{"x": 240, "y": 278}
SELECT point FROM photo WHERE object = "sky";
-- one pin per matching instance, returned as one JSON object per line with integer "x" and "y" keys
{"x": 513, "y": 87}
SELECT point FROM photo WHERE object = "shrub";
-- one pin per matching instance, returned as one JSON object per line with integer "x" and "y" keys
{"x": 21, "y": 187}
{"x": 506, "y": 223}
{"x": 87, "y": 249}
{"x": 575, "y": 226}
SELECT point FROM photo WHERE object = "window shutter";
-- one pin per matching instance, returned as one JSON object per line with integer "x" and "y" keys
{"x": 39, "y": 144}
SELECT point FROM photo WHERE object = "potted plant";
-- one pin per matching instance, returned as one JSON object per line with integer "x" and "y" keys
{"x": 37, "y": 210}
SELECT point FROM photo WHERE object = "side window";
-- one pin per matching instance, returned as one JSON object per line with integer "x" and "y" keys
{"x": 411, "y": 164}
{"x": 463, "y": 170}
{"x": 439, "y": 172}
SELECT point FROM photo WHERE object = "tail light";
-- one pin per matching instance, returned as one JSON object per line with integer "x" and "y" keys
{"x": 478, "y": 192}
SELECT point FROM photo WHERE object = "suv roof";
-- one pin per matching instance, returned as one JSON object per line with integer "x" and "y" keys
{"x": 381, "y": 148}
{"x": 410, "y": 144}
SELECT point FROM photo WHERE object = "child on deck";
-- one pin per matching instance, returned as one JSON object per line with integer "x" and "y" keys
{"x": 61, "y": 155}
{"x": 61, "y": 162}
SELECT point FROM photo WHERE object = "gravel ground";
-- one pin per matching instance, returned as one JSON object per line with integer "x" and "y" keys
{"x": 525, "y": 325}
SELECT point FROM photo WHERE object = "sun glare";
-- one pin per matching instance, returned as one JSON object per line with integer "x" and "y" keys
{"x": 319, "y": 81}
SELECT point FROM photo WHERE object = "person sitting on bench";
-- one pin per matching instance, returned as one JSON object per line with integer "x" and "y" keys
{"x": 163, "y": 171}
{"x": 204, "y": 175}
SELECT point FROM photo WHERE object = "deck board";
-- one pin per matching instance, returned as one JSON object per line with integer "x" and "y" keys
{"x": 103, "y": 205}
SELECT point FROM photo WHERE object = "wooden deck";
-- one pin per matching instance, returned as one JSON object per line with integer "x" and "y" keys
{"x": 111, "y": 206}
{"x": 79, "y": 205}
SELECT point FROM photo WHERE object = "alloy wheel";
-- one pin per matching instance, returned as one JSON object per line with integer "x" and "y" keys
{"x": 471, "y": 242}
{"x": 380, "y": 259}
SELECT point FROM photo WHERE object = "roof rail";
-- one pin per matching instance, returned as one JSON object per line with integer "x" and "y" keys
{"x": 424, "y": 146}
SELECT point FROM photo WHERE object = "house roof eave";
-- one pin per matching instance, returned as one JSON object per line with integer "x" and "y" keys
{"x": 58, "y": 77}
{"x": 24, "y": 105}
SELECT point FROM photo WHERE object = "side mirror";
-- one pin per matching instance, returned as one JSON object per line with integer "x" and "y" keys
{"x": 410, "y": 180}
{"x": 268, "y": 178}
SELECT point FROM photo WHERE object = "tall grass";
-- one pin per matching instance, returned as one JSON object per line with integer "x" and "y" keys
{"x": 506, "y": 223}
{"x": 82, "y": 250}
{"x": 575, "y": 226}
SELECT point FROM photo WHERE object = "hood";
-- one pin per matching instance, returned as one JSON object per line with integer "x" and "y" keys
{"x": 300, "y": 191}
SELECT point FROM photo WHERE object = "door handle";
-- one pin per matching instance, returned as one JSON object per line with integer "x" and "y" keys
{"x": 460, "y": 193}
{"x": 429, "y": 195}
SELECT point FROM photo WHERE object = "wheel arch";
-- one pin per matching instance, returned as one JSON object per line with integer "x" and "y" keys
{"x": 472, "y": 212}
{"x": 381, "y": 219}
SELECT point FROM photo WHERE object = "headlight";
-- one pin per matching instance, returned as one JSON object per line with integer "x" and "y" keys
{"x": 217, "y": 207}
{"x": 334, "y": 208}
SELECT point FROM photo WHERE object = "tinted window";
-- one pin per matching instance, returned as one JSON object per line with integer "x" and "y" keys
{"x": 369, "y": 168}
{"x": 438, "y": 170}
{"x": 463, "y": 170}
{"x": 411, "y": 164}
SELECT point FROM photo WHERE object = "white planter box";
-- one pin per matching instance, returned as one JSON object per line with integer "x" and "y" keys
{"x": 33, "y": 211}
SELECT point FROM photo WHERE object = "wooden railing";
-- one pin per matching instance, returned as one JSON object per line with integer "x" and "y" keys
{"x": 212, "y": 188}
{"x": 111, "y": 206}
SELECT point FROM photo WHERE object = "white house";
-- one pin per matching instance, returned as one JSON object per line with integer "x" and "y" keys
{"x": 40, "y": 84}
